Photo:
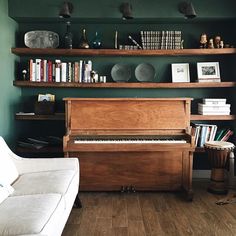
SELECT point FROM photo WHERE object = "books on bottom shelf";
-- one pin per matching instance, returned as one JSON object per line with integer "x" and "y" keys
{"x": 214, "y": 106}
{"x": 40, "y": 142}
{"x": 209, "y": 132}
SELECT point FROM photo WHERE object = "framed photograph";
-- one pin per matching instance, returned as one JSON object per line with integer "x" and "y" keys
{"x": 180, "y": 72}
{"x": 208, "y": 70}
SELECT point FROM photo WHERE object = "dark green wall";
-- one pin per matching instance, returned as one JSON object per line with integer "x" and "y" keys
{"x": 9, "y": 95}
{"x": 107, "y": 9}
{"x": 214, "y": 17}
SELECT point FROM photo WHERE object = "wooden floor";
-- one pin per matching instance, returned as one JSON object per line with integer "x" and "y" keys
{"x": 149, "y": 214}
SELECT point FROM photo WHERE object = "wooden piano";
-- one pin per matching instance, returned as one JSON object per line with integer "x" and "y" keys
{"x": 142, "y": 143}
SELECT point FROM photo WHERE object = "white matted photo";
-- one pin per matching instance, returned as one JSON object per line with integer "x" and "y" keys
{"x": 208, "y": 70}
{"x": 180, "y": 72}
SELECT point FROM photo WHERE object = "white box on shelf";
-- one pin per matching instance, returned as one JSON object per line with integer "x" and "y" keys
{"x": 204, "y": 107}
{"x": 214, "y": 112}
{"x": 214, "y": 101}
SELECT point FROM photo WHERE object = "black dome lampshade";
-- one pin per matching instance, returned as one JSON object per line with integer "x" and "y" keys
{"x": 66, "y": 9}
{"x": 187, "y": 9}
{"x": 126, "y": 10}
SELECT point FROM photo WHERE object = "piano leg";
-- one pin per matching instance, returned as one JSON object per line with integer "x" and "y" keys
{"x": 77, "y": 203}
{"x": 187, "y": 175}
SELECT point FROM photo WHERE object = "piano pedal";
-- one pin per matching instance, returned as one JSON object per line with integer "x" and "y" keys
{"x": 132, "y": 189}
{"x": 127, "y": 189}
{"x": 122, "y": 190}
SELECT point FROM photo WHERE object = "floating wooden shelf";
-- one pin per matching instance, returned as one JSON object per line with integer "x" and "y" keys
{"x": 116, "y": 52}
{"x": 212, "y": 117}
{"x": 125, "y": 85}
{"x": 61, "y": 116}
{"x": 56, "y": 116}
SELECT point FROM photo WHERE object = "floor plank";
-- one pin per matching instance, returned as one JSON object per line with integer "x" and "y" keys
{"x": 151, "y": 214}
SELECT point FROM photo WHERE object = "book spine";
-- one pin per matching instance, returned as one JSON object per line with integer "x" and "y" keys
{"x": 38, "y": 70}
{"x": 49, "y": 71}
{"x": 31, "y": 70}
{"x": 63, "y": 71}
{"x": 76, "y": 78}
{"x": 57, "y": 71}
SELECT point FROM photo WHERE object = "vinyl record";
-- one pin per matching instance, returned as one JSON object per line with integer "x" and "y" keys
{"x": 121, "y": 73}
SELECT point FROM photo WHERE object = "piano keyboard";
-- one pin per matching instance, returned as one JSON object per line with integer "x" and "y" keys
{"x": 127, "y": 141}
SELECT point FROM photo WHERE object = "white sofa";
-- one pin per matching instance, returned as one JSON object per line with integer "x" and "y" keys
{"x": 36, "y": 194}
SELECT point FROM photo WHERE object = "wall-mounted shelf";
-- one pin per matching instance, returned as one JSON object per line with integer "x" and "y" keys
{"x": 61, "y": 116}
{"x": 116, "y": 52}
{"x": 56, "y": 149}
{"x": 212, "y": 117}
{"x": 56, "y": 116}
{"x": 125, "y": 85}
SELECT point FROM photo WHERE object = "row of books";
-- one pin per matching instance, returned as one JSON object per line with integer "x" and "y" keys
{"x": 168, "y": 39}
{"x": 128, "y": 47}
{"x": 41, "y": 70}
{"x": 206, "y": 132}
{"x": 39, "y": 142}
{"x": 214, "y": 106}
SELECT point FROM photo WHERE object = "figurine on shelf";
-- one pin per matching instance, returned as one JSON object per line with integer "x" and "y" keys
{"x": 24, "y": 75}
{"x": 94, "y": 76}
{"x": 203, "y": 41}
{"x": 217, "y": 41}
{"x": 221, "y": 44}
{"x": 211, "y": 43}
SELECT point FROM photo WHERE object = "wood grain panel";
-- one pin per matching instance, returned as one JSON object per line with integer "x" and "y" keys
{"x": 110, "y": 171}
{"x": 105, "y": 114}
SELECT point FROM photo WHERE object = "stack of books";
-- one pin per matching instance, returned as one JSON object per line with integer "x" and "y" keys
{"x": 209, "y": 132}
{"x": 214, "y": 106}
{"x": 42, "y": 70}
{"x": 165, "y": 39}
{"x": 204, "y": 133}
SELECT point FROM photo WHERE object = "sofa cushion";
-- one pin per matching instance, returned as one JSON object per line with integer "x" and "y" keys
{"x": 28, "y": 215}
{"x": 8, "y": 171}
{"x": 44, "y": 182}
{"x": 3, "y": 193}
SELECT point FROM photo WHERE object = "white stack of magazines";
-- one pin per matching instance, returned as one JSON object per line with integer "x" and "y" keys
{"x": 214, "y": 106}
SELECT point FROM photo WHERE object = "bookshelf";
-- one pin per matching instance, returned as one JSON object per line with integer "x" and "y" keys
{"x": 107, "y": 56}
{"x": 124, "y": 85}
{"x": 56, "y": 116}
{"x": 212, "y": 117}
{"x": 50, "y": 150}
{"x": 116, "y": 52}
{"x": 193, "y": 117}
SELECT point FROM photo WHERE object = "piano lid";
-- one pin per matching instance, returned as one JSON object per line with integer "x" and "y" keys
{"x": 84, "y": 114}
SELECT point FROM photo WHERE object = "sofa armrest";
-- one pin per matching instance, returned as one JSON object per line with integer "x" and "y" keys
{"x": 30, "y": 165}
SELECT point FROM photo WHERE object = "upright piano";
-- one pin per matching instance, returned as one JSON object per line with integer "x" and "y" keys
{"x": 138, "y": 143}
